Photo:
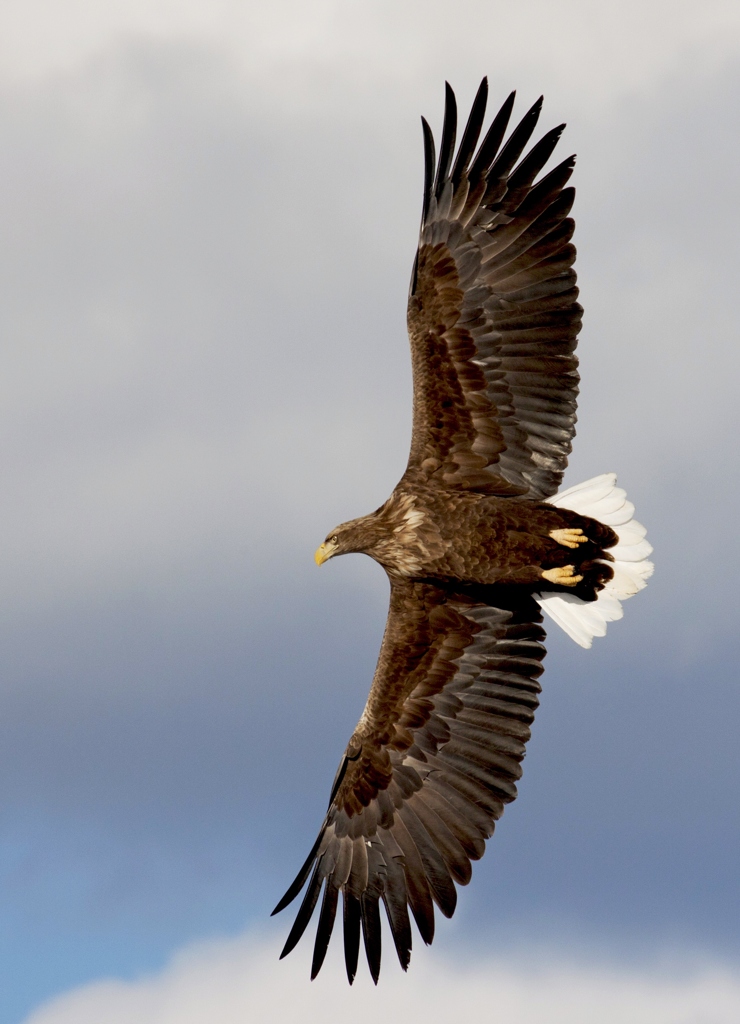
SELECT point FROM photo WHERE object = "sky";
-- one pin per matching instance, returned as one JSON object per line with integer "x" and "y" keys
{"x": 209, "y": 213}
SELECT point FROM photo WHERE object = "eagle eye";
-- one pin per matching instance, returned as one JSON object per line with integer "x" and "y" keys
{"x": 334, "y": 539}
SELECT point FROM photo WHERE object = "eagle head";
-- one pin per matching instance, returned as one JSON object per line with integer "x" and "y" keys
{"x": 358, "y": 535}
{"x": 328, "y": 548}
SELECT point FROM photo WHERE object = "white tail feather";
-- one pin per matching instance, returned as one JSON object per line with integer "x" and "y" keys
{"x": 601, "y": 499}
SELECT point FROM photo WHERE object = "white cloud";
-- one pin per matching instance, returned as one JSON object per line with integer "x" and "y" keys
{"x": 590, "y": 52}
{"x": 241, "y": 980}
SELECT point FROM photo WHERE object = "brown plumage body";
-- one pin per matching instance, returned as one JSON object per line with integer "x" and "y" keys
{"x": 467, "y": 539}
{"x": 472, "y": 538}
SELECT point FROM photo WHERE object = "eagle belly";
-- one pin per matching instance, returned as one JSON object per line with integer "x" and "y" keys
{"x": 485, "y": 540}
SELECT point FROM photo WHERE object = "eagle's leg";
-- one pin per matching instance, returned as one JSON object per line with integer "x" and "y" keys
{"x": 562, "y": 575}
{"x": 569, "y": 538}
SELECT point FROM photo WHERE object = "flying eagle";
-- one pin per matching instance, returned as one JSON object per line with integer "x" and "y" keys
{"x": 475, "y": 541}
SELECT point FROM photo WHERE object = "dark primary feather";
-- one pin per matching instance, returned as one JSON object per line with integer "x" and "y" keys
{"x": 511, "y": 152}
{"x": 471, "y": 134}
{"x": 447, "y": 145}
{"x": 429, "y": 161}
{"x": 435, "y": 758}
{"x": 494, "y": 137}
{"x": 325, "y": 927}
{"x": 493, "y": 312}
{"x": 351, "y": 934}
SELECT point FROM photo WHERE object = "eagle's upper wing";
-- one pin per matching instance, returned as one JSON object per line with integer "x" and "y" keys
{"x": 492, "y": 315}
{"x": 429, "y": 768}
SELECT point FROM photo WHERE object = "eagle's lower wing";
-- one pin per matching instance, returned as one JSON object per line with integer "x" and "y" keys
{"x": 492, "y": 315}
{"x": 429, "y": 768}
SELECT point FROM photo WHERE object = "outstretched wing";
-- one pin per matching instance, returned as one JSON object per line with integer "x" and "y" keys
{"x": 492, "y": 315}
{"x": 429, "y": 768}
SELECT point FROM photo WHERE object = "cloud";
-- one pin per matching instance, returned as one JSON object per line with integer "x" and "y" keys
{"x": 241, "y": 980}
{"x": 298, "y": 51}
{"x": 205, "y": 357}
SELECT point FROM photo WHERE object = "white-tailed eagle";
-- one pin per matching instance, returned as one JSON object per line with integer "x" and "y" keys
{"x": 475, "y": 540}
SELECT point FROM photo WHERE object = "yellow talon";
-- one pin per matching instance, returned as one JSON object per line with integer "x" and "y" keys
{"x": 563, "y": 576}
{"x": 569, "y": 538}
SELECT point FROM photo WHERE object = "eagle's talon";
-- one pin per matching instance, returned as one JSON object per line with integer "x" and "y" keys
{"x": 569, "y": 538}
{"x": 562, "y": 575}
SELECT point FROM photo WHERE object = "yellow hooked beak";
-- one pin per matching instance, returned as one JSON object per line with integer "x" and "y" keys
{"x": 321, "y": 554}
